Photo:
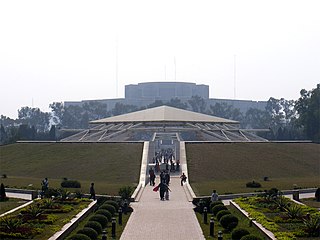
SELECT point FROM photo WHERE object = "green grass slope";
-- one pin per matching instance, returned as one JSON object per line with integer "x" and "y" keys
{"x": 227, "y": 167}
{"x": 109, "y": 165}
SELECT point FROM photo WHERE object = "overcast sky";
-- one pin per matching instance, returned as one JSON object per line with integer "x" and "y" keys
{"x": 55, "y": 51}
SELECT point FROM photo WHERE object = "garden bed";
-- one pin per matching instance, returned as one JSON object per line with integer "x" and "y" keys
{"x": 243, "y": 223}
{"x": 283, "y": 217}
{"x": 41, "y": 219}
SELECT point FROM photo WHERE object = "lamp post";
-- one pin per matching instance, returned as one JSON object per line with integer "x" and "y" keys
{"x": 211, "y": 227}
{"x": 104, "y": 235}
{"x": 120, "y": 216}
{"x": 113, "y": 227}
{"x": 205, "y": 215}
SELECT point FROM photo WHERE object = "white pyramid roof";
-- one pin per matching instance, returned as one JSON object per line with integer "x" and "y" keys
{"x": 164, "y": 114}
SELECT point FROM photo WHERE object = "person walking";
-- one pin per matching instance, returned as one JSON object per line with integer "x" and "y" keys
{"x": 92, "y": 192}
{"x": 183, "y": 178}
{"x": 152, "y": 177}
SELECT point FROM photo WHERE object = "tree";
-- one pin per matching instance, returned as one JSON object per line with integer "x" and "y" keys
{"x": 57, "y": 112}
{"x": 34, "y": 117}
{"x": 156, "y": 103}
{"x": 308, "y": 107}
{"x": 176, "y": 102}
{"x": 224, "y": 110}
{"x": 3, "y": 135}
{"x": 256, "y": 119}
{"x": 198, "y": 104}
{"x": 121, "y": 108}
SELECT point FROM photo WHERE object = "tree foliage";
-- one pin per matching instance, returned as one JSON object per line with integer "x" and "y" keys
{"x": 308, "y": 107}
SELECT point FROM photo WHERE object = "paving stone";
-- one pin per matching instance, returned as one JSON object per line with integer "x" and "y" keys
{"x": 155, "y": 219}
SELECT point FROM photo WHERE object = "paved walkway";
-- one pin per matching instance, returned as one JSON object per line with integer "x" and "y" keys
{"x": 158, "y": 220}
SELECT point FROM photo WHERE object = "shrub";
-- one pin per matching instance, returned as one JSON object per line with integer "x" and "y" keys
{"x": 229, "y": 221}
{"x": 294, "y": 211}
{"x": 250, "y": 237}
{"x": 238, "y": 233}
{"x": 221, "y": 213}
{"x": 109, "y": 207}
{"x": 94, "y": 225}
{"x": 90, "y": 232}
{"x": 113, "y": 203}
{"x": 213, "y": 204}
{"x": 79, "y": 236}
{"x": 253, "y": 184}
{"x": 70, "y": 184}
{"x": 126, "y": 192}
{"x": 105, "y": 213}
{"x": 218, "y": 208}
{"x": 100, "y": 219}
{"x": 51, "y": 192}
{"x": 312, "y": 226}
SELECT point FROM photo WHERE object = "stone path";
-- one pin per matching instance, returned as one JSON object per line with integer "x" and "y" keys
{"x": 158, "y": 220}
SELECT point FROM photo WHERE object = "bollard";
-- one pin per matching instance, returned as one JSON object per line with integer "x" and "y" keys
{"x": 104, "y": 235}
{"x": 113, "y": 228}
{"x": 211, "y": 227}
{"x": 120, "y": 216}
{"x": 220, "y": 235}
{"x": 205, "y": 215}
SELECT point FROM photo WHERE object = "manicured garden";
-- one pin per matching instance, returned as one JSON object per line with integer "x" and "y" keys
{"x": 227, "y": 222}
{"x": 41, "y": 219}
{"x": 105, "y": 216}
{"x": 283, "y": 217}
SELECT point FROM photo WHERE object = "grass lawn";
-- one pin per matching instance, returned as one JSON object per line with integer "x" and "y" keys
{"x": 12, "y": 203}
{"x": 109, "y": 165}
{"x": 227, "y": 167}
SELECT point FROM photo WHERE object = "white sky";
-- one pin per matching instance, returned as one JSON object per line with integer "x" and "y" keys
{"x": 54, "y": 51}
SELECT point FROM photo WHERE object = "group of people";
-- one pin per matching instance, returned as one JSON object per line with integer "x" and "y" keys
{"x": 163, "y": 186}
{"x": 166, "y": 157}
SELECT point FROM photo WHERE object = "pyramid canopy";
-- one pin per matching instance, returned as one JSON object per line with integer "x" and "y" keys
{"x": 164, "y": 114}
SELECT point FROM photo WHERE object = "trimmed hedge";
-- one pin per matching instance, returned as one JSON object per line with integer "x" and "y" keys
{"x": 238, "y": 233}
{"x": 213, "y": 204}
{"x": 229, "y": 222}
{"x": 250, "y": 237}
{"x": 90, "y": 232}
{"x": 113, "y": 203}
{"x": 218, "y": 208}
{"x": 253, "y": 184}
{"x": 70, "y": 184}
{"x": 105, "y": 213}
{"x": 94, "y": 225}
{"x": 79, "y": 236}
{"x": 221, "y": 213}
{"x": 108, "y": 207}
{"x": 100, "y": 219}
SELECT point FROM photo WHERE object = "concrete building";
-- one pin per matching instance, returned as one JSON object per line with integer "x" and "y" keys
{"x": 143, "y": 94}
{"x": 165, "y": 91}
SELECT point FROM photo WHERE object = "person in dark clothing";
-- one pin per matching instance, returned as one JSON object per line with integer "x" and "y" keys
{"x": 162, "y": 177}
{"x": 183, "y": 178}
{"x": 317, "y": 195}
{"x": 92, "y": 192}
{"x": 167, "y": 178}
{"x": 152, "y": 177}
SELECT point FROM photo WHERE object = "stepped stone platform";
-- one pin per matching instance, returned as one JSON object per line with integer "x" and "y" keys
{"x": 157, "y": 220}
